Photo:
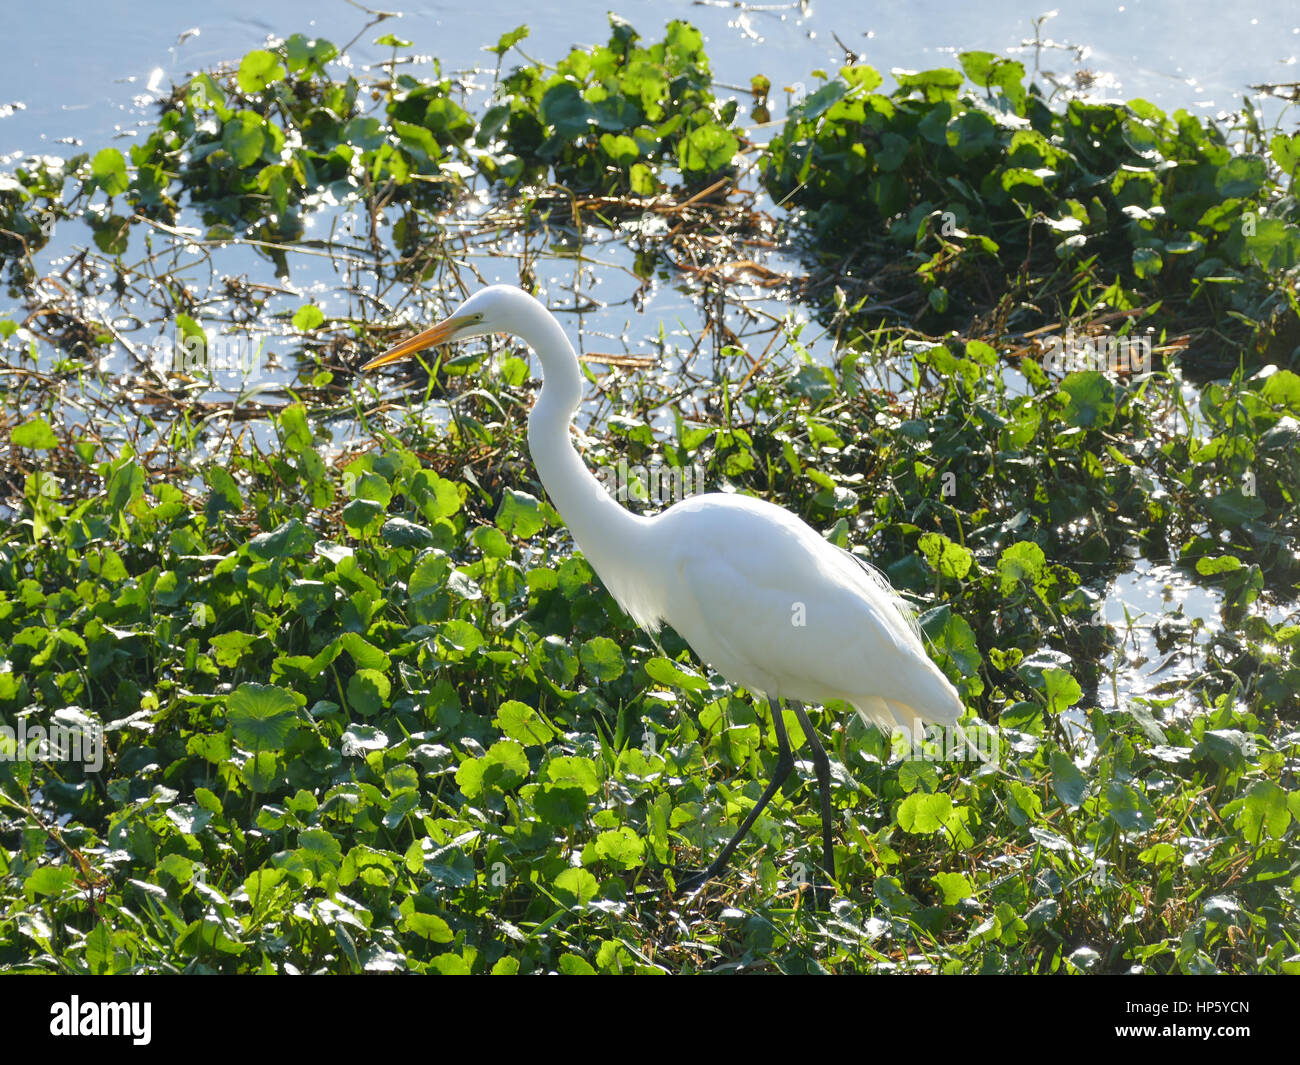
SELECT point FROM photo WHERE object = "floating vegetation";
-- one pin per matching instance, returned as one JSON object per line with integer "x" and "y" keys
{"x": 958, "y": 196}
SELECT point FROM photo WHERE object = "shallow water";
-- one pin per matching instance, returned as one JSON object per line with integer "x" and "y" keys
{"x": 81, "y": 83}
{"x": 84, "y": 71}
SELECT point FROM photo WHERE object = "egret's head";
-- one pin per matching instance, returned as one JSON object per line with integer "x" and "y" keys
{"x": 497, "y": 309}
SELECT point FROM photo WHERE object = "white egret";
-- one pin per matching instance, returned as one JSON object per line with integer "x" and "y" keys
{"x": 757, "y": 594}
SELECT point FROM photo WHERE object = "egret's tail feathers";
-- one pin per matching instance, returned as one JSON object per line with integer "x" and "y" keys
{"x": 889, "y": 715}
{"x": 931, "y": 700}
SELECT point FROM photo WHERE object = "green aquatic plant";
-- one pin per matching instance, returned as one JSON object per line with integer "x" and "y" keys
{"x": 999, "y": 204}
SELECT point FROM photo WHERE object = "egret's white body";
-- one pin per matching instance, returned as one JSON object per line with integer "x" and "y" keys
{"x": 772, "y": 606}
{"x": 757, "y": 593}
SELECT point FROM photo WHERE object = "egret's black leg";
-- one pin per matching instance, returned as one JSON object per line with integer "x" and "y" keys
{"x": 784, "y": 763}
{"x": 823, "y": 766}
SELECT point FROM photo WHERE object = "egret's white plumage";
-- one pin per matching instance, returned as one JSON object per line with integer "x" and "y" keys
{"x": 757, "y": 594}
{"x": 772, "y": 606}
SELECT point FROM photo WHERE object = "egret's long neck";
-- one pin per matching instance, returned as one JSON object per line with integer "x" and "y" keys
{"x": 604, "y": 530}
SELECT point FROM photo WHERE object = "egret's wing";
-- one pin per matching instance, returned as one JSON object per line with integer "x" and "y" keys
{"x": 794, "y": 631}
{"x": 881, "y": 582}
{"x": 786, "y": 614}
{"x": 769, "y": 604}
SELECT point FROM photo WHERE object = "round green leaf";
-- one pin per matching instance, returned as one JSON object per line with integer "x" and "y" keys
{"x": 576, "y": 886}
{"x": 602, "y": 658}
{"x": 924, "y": 814}
{"x": 261, "y": 717}
{"x": 109, "y": 169}
{"x": 259, "y": 69}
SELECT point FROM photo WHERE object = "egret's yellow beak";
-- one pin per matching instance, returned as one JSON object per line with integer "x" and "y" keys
{"x": 437, "y": 334}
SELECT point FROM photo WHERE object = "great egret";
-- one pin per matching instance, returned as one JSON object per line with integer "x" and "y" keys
{"x": 757, "y": 594}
